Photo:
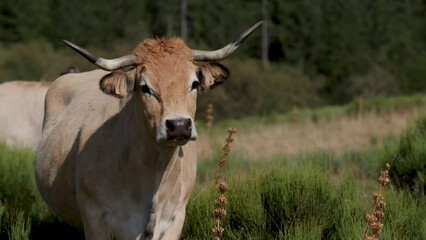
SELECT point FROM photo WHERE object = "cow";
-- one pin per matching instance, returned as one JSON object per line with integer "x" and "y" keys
{"x": 70, "y": 69}
{"x": 21, "y": 112}
{"x": 117, "y": 158}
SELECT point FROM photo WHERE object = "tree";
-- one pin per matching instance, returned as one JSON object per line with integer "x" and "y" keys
{"x": 22, "y": 20}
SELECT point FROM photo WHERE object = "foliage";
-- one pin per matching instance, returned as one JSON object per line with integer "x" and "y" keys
{"x": 347, "y": 49}
{"x": 31, "y": 61}
{"x": 300, "y": 202}
{"x": 293, "y": 198}
{"x": 340, "y": 40}
{"x": 409, "y": 167}
{"x": 253, "y": 91}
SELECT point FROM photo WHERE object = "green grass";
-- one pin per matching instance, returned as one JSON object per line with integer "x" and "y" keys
{"x": 17, "y": 192}
{"x": 23, "y": 214}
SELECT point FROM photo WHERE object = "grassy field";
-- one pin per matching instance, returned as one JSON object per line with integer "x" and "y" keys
{"x": 310, "y": 194}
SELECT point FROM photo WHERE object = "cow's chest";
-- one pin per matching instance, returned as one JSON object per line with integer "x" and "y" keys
{"x": 128, "y": 219}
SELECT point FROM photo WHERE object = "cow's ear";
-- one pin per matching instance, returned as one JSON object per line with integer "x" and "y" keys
{"x": 118, "y": 83}
{"x": 211, "y": 75}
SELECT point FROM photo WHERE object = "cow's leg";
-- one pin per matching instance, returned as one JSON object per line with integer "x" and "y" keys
{"x": 94, "y": 223}
{"x": 176, "y": 228}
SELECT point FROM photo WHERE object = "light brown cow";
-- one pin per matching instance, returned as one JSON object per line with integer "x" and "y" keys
{"x": 21, "y": 112}
{"x": 115, "y": 159}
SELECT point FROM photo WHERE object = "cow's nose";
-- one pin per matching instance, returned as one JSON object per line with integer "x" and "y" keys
{"x": 179, "y": 129}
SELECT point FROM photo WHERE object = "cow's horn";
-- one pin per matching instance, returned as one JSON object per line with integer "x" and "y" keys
{"x": 220, "y": 54}
{"x": 106, "y": 64}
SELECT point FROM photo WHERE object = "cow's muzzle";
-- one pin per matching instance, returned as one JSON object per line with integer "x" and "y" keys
{"x": 179, "y": 129}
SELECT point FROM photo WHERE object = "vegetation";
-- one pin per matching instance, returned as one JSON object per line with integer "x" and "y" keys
{"x": 301, "y": 202}
{"x": 309, "y": 196}
{"x": 409, "y": 166}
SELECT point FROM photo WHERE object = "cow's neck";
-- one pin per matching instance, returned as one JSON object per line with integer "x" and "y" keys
{"x": 158, "y": 158}
{"x": 164, "y": 164}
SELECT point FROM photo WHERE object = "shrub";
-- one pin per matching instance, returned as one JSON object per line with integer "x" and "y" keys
{"x": 408, "y": 171}
{"x": 404, "y": 216}
{"x": 293, "y": 197}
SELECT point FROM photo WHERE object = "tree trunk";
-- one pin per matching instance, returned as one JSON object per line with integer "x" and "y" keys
{"x": 183, "y": 19}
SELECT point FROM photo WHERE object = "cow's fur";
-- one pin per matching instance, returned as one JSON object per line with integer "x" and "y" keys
{"x": 104, "y": 163}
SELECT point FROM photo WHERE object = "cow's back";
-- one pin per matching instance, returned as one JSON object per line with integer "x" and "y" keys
{"x": 21, "y": 112}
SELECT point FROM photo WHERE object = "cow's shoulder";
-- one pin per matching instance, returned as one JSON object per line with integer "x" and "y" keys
{"x": 69, "y": 87}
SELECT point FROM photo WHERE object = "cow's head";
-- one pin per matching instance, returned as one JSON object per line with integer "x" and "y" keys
{"x": 166, "y": 76}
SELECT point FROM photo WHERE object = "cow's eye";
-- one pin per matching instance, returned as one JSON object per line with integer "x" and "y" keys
{"x": 145, "y": 89}
{"x": 195, "y": 85}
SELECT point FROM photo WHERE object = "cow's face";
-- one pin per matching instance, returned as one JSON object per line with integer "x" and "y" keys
{"x": 166, "y": 81}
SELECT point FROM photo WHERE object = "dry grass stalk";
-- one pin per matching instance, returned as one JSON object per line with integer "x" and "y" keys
{"x": 295, "y": 114}
{"x": 209, "y": 118}
{"x": 360, "y": 107}
{"x": 374, "y": 219}
{"x": 221, "y": 186}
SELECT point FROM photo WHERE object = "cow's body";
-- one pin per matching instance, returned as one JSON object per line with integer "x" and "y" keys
{"x": 21, "y": 112}
{"x": 128, "y": 174}
{"x": 116, "y": 158}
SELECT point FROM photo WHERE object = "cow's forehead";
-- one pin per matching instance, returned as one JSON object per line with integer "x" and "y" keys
{"x": 167, "y": 62}
{"x": 161, "y": 48}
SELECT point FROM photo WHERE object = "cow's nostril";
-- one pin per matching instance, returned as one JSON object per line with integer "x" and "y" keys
{"x": 170, "y": 125}
{"x": 188, "y": 124}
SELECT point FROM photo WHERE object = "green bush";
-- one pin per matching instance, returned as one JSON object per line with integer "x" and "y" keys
{"x": 303, "y": 201}
{"x": 199, "y": 214}
{"x": 296, "y": 197}
{"x": 408, "y": 170}
{"x": 404, "y": 216}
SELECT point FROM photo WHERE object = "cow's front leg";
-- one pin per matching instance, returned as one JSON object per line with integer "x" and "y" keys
{"x": 174, "y": 231}
{"x": 94, "y": 223}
